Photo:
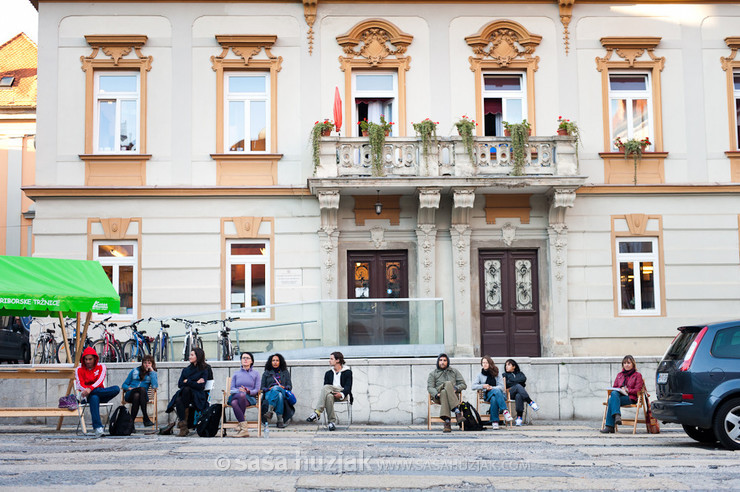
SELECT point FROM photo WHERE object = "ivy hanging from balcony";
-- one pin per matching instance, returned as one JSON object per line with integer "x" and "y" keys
{"x": 519, "y": 140}
{"x": 427, "y": 130}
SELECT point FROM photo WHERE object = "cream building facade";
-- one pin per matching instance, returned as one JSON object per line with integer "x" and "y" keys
{"x": 174, "y": 148}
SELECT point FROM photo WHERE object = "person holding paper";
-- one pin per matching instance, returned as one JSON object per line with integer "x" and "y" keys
{"x": 627, "y": 385}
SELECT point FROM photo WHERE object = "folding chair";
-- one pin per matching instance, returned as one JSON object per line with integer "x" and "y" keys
{"x": 151, "y": 400}
{"x": 487, "y": 417}
{"x": 431, "y": 402}
{"x": 81, "y": 407}
{"x": 640, "y": 404}
{"x": 344, "y": 401}
{"x": 233, "y": 424}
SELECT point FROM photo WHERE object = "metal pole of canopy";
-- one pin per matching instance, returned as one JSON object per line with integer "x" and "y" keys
{"x": 64, "y": 336}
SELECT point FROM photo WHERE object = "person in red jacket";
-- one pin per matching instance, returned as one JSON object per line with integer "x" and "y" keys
{"x": 90, "y": 381}
{"x": 630, "y": 383}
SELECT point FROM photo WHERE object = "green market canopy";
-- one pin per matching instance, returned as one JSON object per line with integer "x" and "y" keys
{"x": 46, "y": 286}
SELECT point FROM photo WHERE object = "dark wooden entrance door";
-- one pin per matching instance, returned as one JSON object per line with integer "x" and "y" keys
{"x": 509, "y": 317}
{"x": 378, "y": 275}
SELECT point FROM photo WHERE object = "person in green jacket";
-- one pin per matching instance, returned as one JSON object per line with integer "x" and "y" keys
{"x": 443, "y": 384}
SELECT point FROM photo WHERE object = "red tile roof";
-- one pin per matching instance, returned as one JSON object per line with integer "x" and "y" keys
{"x": 18, "y": 58}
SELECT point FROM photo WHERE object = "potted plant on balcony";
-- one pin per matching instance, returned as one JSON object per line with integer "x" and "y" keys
{"x": 519, "y": 139}
{"x": 427, "y": 130}
{"x": 320, "y": 129}
{"x": 632, "y": 147}
{"x": 465, "y": 128}
{"x": 569, "y": 128}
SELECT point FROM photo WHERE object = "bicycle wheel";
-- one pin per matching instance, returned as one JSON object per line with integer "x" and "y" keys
{"x": 186, "y": 349}
{"x": 165, "y": 349}
{"x": 155, "y": 349}
{"x": 106, "y": 352}
{"x": 199, "y": 343}
{"x": 131, "y": 351}
{"x": 223, "y": 350}
{"x": 62, "y": 354}
{"x": 39, "y": 352}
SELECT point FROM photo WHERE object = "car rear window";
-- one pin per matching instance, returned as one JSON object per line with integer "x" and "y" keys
{"x": 680, "y": 345}
{"x": 727, "y": 343}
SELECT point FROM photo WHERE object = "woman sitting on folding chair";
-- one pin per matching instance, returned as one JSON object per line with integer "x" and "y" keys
{"x": 630, "y": 381}
{"x": 192, "y": 384}
{"x": 515, "y": 383}
{"x": 492, "y": 384}
{"x": 275, "y": 382}
{"x": 137, "y": 385}
{"x": 245, "y": 386}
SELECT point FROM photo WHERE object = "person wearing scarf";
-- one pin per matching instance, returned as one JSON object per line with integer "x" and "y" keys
{"x": 492, "y": 384}
{"x": 632, "y": 383}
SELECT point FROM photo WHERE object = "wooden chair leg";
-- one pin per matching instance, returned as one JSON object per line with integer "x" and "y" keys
{"x": 429, "y": 412}
{"x": 603, "y": 420}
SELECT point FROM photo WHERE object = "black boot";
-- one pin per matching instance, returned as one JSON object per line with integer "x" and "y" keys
{"x": 608, "y": 429}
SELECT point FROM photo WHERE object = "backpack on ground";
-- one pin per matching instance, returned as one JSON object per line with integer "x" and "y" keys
{"x": 121, "y": 423}
{"x": 471, "y": 418}
{"x": 210, "y": 421}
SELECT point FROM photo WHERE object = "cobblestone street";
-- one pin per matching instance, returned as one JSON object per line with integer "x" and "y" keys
{"x": 548, "y": 455}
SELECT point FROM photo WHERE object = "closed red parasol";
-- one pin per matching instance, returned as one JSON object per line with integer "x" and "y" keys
{"x": 337, "y": 109}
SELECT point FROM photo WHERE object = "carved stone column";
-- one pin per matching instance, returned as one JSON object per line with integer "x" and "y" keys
{"x": 460, "y": 234}
{"x": 329, "y": 240}
{"x": 557, "y": 340}
{"x": 426, "y": 239}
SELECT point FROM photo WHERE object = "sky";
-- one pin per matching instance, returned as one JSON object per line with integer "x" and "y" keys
{"x": 18, "y": 16}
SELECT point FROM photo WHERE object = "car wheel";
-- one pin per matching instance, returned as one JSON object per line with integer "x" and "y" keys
{"x": 26, "y": 354}
{"x": 700, "y": 435}
{"x": 727, "y": 424}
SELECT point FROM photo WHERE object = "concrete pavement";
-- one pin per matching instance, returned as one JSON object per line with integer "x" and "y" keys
{"x": 548, "y": 455}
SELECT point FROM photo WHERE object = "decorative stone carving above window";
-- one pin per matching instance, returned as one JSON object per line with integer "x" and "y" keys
{"x": 503, "y": 42}
{"x": 246, "y": 47}
{"x": 374, "y": 40}
{"x": 116, "y": 47}
{"x": 630, "y": 49}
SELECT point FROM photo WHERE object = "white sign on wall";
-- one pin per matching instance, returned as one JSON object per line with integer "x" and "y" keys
{"x": 289, "y": 277}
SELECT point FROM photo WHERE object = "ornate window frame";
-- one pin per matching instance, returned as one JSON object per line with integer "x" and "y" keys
{"x": 247, "y": 228}
{"x": 504, "y": 44}
{"x": 731, "y": 65}
{"x": 638, "y": 226}
{"x": 244, "y": 169}
{"x": 118, "y": 229}
{"x": 630, "y": 51}
{"x": 127, "y": 169}
{"x": 375, "y": 43}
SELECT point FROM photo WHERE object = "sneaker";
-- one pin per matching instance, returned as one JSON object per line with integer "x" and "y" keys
{"x": 507, "y": 416}
{"x": 534, "y": 406}
{"x": 98, "y": 432}
{"x": 494, "y": 426}
{"x": 459, "y": 416}
{"x": 313, "y": 417}
{"x": 518, "y": 422}
{"x": 148, "y": 423}
{"x": 332, "y": 427}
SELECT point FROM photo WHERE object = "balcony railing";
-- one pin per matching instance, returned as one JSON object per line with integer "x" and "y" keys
{"x": 403, "y": 156}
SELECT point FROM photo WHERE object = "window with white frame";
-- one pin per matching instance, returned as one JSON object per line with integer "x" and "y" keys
{"x": 120, "y": 260}
{"x": 736, "y": 85}
{"x": 375, "y": 94}
{"x": 630, "y": 106}
{"x": 116, "y": 114}
{"x": 247, "y": 112}
{"x": 249, "y": 275}
{"x": 504, "y": 99}
{"x": 637, "y": 270}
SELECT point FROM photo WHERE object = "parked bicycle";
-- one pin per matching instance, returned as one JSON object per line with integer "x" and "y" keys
{"x": 192, "y": 339}
{"x": 160, "y": 348}
{"x": 225, "y": 347}
{"x": 138, "y": 346}
{"x": 108, "y": 348}
{"x": 61, "y": 353}
{"x": 45, "y": 351}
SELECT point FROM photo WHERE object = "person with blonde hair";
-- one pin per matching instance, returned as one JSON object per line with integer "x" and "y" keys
{"x": 630, "y": 383}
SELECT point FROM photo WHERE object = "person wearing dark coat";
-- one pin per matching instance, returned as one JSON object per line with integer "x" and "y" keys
{"x": 515, "y": 383}
{"x": 337, "y": 387}
{"x": 275, "y": 382}
{"x": 192, "y": 385}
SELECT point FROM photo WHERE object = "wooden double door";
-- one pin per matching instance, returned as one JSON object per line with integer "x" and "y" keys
{"x": 378, "y": 275}
{"x": 509, "y": 303}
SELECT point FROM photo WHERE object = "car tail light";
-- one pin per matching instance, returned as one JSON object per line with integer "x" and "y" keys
{"x": 689, "y": 358}
{"x": 687, "y": 396}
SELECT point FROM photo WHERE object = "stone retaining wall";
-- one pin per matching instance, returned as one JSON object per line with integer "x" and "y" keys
{"x": 388, "y": 391}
